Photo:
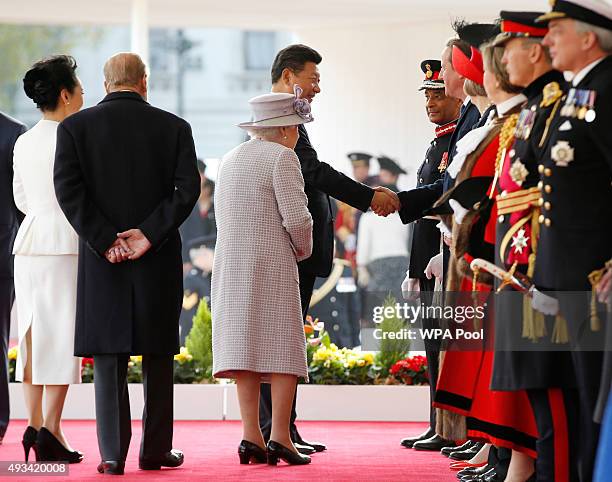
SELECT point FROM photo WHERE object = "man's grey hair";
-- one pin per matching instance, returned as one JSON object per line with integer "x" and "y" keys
{"x": 528, "y": 41}
{"x": 124, "y": 69}
{"x": 604, "y": 36}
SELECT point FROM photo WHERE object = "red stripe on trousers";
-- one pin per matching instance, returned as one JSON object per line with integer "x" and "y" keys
{"x": 561, "y": 442}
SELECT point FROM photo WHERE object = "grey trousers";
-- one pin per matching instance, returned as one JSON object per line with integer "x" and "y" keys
{"x": 113, "y": 420}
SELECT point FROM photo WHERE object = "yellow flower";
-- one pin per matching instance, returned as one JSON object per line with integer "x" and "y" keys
{"x": 369, "y": 358}
{"x": 321, "y": 354}
{"x": 183, "y": 356}
{"x": 136, "y": 358}
{"x": 12, "y": 353}
{"x": 350, "y": 363}
{"x": 361, "y": 363}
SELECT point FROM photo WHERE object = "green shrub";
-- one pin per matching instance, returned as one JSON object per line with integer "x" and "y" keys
{"x": 199, "y": 340}
{"x": 391, "y": 350}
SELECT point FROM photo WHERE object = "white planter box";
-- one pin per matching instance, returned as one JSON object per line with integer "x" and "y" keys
{"x": 379, "y": 403}
{"x": 191, "y": 402}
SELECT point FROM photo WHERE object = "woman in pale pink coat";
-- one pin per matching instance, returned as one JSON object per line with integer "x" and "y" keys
{"x": 264, "y": 229}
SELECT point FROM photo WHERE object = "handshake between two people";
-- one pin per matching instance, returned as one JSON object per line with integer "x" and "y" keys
{"x": 385, "y": 201}
{"x": 129, "y": 245}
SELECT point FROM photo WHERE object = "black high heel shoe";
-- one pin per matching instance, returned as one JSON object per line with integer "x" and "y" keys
{"x": 277, "y": 451}
{"x": 51, "y": 450}
{"x": 29, "y": 442}
{"x": 248, "y": 451}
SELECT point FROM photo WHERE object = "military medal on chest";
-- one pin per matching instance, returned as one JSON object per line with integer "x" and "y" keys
{"x": 443, "y": 162}
{"x": 520, "y": 241}
{"x": 525, "y": 123}
{"x": 580, "y": 104}
{"x": 562, "y": 153}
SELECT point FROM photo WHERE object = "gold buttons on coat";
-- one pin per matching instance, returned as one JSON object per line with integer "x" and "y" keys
{"x": 548, "y": 172}
{"x": 541, "y": 168}
{"x": 548, "y": 188}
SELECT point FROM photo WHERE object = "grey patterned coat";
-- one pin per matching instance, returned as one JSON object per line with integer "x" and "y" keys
{"x": 264, "y": 229}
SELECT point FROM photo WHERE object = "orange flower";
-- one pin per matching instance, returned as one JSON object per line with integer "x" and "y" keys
{"x": 308, "y": 329}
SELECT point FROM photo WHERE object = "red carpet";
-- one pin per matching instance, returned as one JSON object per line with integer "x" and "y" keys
{"x": 356, "y": 451}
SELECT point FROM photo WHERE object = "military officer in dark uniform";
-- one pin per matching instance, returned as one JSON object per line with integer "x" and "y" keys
{"x": 443, "y": 111}
{"x": 576, "y": 198}
{"x": 415, "y": 202}
{"x": 517, "y": 366}
{"x": 389, "y": 173}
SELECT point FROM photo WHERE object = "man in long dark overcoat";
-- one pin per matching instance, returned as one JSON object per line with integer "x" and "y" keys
{"x": 126, "y": 178}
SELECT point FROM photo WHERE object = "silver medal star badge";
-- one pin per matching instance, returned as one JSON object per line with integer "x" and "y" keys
{"x": 518, "y": 172}
{"x": 562, "y": 153}
{"x": 519, "y": 241}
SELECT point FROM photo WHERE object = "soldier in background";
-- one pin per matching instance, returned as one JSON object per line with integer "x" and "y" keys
{"x": 361, "y": 168}
{"x": 443, "y": 111}
{"x": 335, "y": 302}
{"x": 197, "y": 281}
{"x": 389, "y": 172}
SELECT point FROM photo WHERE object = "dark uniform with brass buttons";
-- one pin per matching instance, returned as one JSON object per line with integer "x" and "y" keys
{"x": 426, "y": 236}
{"x": 519, "y": 206}
{"x": 575, "y": 228}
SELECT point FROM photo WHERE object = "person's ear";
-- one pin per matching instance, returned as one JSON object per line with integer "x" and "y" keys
{"x": 144, "y": 84}
{"x": 65, "y": 96}
{"x": 106, "y": 87}
{"x": 588, "y": 40}
{"x": 287, "y": 76}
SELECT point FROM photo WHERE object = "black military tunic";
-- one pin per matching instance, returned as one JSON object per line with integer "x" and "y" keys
{"x": 426, "y": 244}
{"x": 426, "y": 236}
{"x": 577, "y": 189}
{"x": 516, "y": 365}
{"x": 575, "y": 230}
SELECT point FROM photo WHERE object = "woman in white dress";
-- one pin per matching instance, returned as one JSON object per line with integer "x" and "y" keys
{"x": 264, "y": 229}
{"x": 46, "y": 253}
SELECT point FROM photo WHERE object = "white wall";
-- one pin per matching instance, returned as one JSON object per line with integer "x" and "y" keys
{"x": 369, "y": 100}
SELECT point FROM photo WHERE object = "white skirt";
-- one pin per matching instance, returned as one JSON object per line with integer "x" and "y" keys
{"x": 45, "y": 295}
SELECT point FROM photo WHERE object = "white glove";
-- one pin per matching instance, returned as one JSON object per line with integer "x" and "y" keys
{"x": 459, "y": 211}
{"x": 434, "y": 267}
{"x": 544, "y": 303}
{"x": 363, "y": 277}
{"x": 410, "y": 287}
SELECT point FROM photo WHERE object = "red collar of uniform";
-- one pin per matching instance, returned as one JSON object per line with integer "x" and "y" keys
{"x": 446, "y": 129}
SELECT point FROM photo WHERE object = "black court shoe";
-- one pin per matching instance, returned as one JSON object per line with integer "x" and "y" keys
{"x": 250, "y": 452}
{"x": 29, "y": 442}
{"x": 277, "y": 451}
{"x": 51, "y": 449}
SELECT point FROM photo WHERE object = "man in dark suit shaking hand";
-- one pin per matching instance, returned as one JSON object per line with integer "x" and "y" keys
{"x": 126, "y": 178}
{"x": 297, "y": 65}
